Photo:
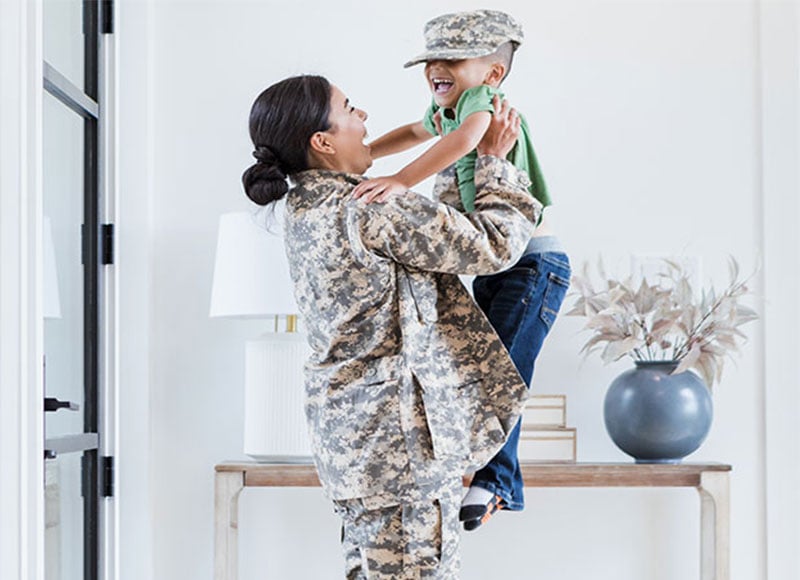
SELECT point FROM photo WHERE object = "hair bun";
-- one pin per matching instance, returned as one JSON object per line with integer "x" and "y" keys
{"x": 264, "y": 154}
{"x": 265, "y": 181}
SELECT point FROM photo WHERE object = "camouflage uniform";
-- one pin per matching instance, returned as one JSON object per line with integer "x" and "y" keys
{"x": 384, "y": 537}
{"x": 407, "y": 386}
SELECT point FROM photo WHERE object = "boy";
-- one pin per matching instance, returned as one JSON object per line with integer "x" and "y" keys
{"x": 468, "y": 56}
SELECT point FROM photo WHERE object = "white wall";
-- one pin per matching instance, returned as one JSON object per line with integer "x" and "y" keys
{"x": 135, "y": 66}
{"x": 780, "y": 120}
{"x": 647, "y": 118}
{"x": 781, "y": 176}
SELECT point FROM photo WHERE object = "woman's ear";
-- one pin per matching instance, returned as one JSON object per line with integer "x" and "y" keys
{"x": 320, "y": 144}
{"x": 496, "y": 74}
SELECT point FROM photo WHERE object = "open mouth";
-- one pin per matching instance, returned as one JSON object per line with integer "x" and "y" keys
{"x": 441, "y": 86}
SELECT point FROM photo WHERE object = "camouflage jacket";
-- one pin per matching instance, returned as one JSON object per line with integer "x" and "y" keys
{"x": 407, "y": 382}
{"x": 445, "y": 188}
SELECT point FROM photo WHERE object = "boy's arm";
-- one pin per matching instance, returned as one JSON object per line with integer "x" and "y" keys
{"x": 447, "y": 151}
{"x": 400, "y": 139}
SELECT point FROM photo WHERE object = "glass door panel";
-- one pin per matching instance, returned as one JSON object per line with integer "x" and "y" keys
{"x": 63, "y": 150}
{"x": 63, "y": 38}
{"x": 64, "y": 521}
{"x": 72, "y": 277}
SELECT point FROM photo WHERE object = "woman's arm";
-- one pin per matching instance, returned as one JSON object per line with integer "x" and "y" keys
{"x": 447, "y": 151}
{"x": 420, "y": 233}
{"x": 400, "y": 139}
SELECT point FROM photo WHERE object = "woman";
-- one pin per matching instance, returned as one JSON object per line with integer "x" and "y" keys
{"x": 407, "y": 387}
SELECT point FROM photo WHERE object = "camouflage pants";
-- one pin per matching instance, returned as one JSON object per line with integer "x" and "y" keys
{"x": 386, "y": 538}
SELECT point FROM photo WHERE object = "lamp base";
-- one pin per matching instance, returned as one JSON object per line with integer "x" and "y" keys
{"x": 274, "y": 417}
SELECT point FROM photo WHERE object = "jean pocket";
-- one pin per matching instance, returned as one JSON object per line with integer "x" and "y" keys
{"x": 557, "y": 287}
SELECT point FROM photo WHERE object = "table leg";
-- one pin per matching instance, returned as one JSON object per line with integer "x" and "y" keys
{"x": 714, "y": 525}
{"x": 227, "y": 487}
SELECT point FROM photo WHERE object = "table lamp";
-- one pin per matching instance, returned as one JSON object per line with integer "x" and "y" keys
{"x": 251, "y": 280}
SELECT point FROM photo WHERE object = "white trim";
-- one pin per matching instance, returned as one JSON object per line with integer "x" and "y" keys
{"x": 21, "y": 343}
{"x": 780, "y": 125}
{"x": 133, "y": 206}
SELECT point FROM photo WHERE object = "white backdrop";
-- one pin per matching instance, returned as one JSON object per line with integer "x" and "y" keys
{"x": 647, "y": 118}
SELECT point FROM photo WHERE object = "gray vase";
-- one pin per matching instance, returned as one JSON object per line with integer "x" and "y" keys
{"x": 657, "y": 417}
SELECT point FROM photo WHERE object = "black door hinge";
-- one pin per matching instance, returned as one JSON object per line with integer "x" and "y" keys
{"x": 107, "y": 467}
{"x": 107, "y": 244}
{"x": 107, "y": 16}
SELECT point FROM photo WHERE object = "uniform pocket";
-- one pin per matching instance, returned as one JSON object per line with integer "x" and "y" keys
{"x": 355, "y": 426}
{"x": 450, "y": 413}
{"x": 360, "y": 421}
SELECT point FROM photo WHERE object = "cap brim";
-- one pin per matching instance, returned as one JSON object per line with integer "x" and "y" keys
{"x": 451, "y": 54}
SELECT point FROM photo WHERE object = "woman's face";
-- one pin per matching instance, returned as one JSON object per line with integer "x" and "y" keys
{"x": 347, "y": 134}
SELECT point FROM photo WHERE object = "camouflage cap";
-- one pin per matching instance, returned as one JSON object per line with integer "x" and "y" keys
{"x": 467, "y": 35}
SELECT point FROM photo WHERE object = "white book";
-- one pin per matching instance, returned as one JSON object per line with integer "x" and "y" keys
{"x": 548, "y": 445}
{"x": 545, "y": 411}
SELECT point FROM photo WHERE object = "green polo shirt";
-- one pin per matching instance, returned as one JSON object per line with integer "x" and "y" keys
{"x": 522, "y": 155}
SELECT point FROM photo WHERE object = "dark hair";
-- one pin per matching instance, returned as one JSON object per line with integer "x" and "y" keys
{"x": 505, "y": 54}
{"x": 282, "y": 120}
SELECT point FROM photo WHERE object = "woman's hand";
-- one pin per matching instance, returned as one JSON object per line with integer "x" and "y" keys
{"x": 503, "y": 130}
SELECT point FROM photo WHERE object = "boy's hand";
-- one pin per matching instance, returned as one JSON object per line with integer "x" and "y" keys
{"x": 379, "y": 188}
{"x": 501, "y": 136}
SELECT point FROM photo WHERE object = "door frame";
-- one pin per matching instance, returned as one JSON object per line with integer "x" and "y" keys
{"x": 86, "y": 98}
{"x": 21, "y": 296}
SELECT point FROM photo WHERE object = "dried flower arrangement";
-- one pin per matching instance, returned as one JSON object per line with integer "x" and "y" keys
{"x": 664, "y": 321}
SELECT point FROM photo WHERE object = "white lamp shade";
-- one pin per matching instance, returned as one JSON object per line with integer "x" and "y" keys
{"x": 52, "y": 300}
{"x": 251, "y": 272}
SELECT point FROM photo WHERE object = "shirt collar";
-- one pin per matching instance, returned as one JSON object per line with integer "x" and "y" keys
{"x": 310, "y": 176}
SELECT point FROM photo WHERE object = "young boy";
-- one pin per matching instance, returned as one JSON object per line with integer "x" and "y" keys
{"x": 468, "y": 56}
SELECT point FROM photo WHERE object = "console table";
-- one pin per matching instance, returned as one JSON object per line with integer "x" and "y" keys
{"x": 711, "y": 481}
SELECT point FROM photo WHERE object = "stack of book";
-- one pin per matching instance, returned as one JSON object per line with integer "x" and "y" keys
{"x": 544, "y": 436}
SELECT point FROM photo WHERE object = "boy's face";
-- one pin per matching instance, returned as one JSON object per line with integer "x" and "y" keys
{"x": 448, "y": 79}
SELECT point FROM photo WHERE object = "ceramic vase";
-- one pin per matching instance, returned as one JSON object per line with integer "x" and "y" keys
{"x": 656, "y": 416}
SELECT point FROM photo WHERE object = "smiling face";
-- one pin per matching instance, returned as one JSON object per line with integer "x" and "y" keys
{"x": 448, "y": 79}
{"x": 342, "y": 146}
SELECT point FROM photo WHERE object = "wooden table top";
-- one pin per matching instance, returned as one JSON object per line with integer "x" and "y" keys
{"x": 535, "y": 474}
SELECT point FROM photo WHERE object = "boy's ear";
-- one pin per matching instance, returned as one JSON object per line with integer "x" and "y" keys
{"x": 495, "y": 75}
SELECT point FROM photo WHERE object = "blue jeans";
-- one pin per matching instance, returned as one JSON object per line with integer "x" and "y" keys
{"x": 521, "y": 303}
